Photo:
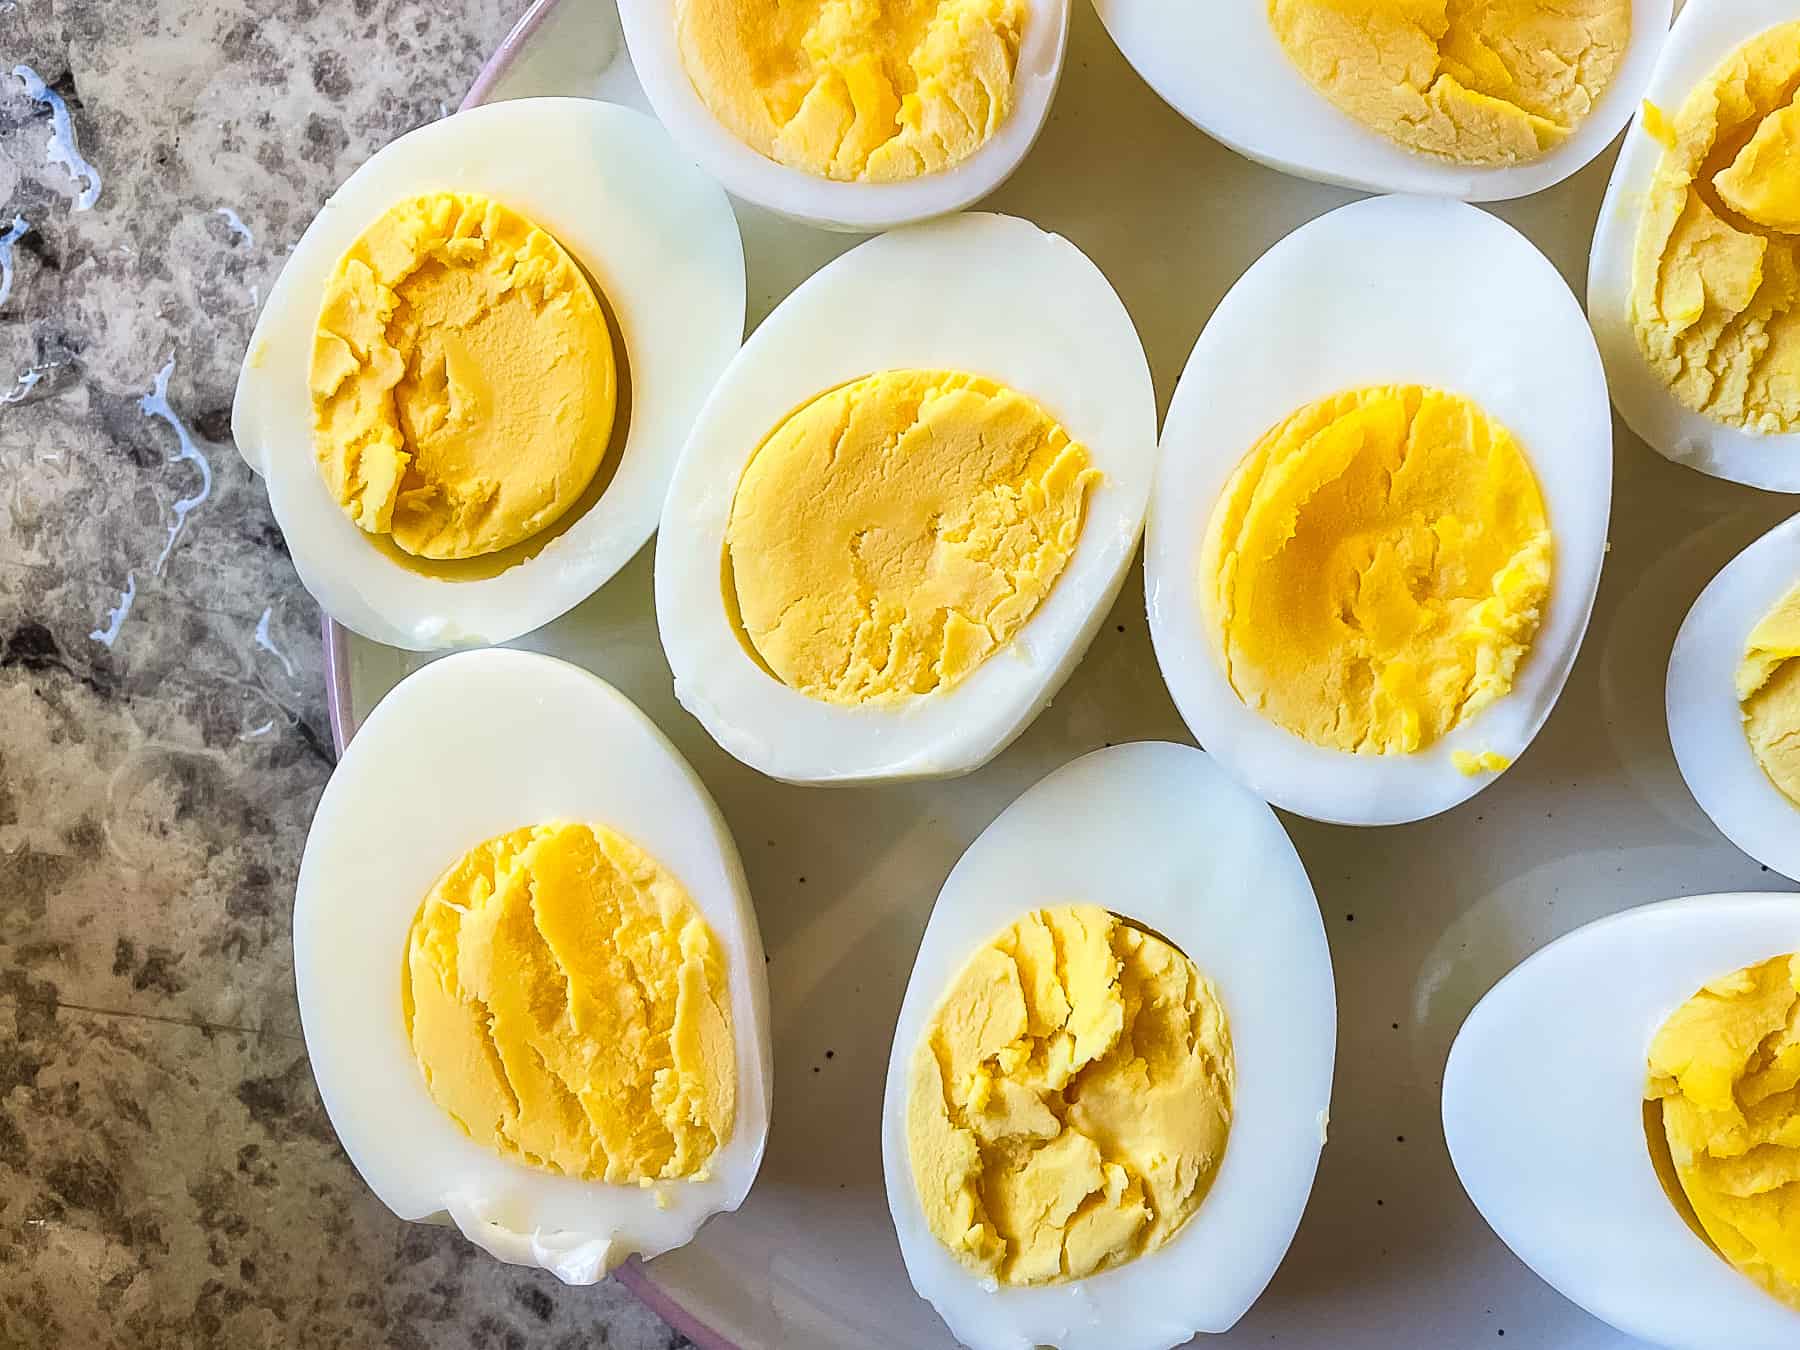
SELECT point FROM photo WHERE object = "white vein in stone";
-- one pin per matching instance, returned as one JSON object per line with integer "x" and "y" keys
{"x": 267, "y": 643}
{"x": 7, "y": 240}
{"x": 62, "y": 149}
{"x": 156, "y": 404}
{"x": 235, "y": 223}
{"x": 116, "y": 616}
{"x": 27, "y": 382}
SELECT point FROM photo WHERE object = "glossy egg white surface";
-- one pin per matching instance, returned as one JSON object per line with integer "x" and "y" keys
{"x": 661, "y": 245}
{"x": 1406, "y": 290}
{"x": 1221, "y": 66}
{"x": 992, "y": 295}
{"x": 1706, "y": 726}
{"x": 464, "y": 749}
{"x": 1705, "y": 34}
{"x": 651, "y": 36}
{"x": 1543, "y": 1114}
{"x": 1158, "y": 834}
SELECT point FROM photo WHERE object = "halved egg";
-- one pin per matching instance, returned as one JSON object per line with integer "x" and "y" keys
{"x": 468, "y": 387}
{"x": 1545, "y": 1117}
{"x": 908, "y": 505}
{"x": 530, "y": 978}
{"x": 1111, "y": 1073}
{"x": 1479, "y": 101}
{"x": 1380, "y": 511}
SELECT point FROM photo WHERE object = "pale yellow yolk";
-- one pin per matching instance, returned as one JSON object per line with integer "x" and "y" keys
{"x": 463, "y": 384}
{"x": 1715, "y": 297}
{"x": 1768, "y": 690}
{"x": 879, "y": 90}
{"x": 1377, "y": 568}
{"x": 568, "y": 1007}
{"x": 1069, "y": 1103}
{"x": 1726, "y": 1068}
{"x": 892, "y": 534}
{"x": 1479, "y": 82}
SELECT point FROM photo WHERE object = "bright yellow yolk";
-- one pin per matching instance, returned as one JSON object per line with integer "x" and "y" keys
{"x": 878, "y": 90}
{"x": 1479, "y": 82}
{"x": 568, "y": 1007}
{"x": 1715, "y": 295}
{"x": 1768, "y": 689}
{"x": 462, "y": 378}
{"x": 1069, "y": 1104}
{"x": 1377, "y": 568}
{"x": 1726, "y": 1068}
{"x": 892, "y": 534}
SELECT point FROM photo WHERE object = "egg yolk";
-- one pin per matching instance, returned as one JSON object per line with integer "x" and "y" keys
{"x": 1726, "y": 1069}
{"x": 873, "y": 90}
{"x": 462, "y": 379}
{"x": 894, "y": 533}
{"x": 1768, "y": 690}
{"x": 1069, "y": 1103}
{"x": 1377, "y": 568}
{"x": 568, "y": 1007}
{"x": 1715, "y": 299}
{"x": 1478, "y": 82}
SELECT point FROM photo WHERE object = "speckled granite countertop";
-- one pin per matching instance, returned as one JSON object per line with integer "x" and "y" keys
{"x": 167, "y": 1175}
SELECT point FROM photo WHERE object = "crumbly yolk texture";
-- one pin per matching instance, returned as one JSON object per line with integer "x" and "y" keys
{"x": 1069, "y": 1104}
{"x": 872, "y": 90}
{"x": 1768, "y": 690}
{"x": 1726, "y": 1068}
{"x": 1480, "y": 82}
{"x": 894, "y": 533}
{"x": 568, "y": 1006}
{"x": 1715, "y": 299}
{"x": 463, "y": 382}
{"x": 1376, "y": 568}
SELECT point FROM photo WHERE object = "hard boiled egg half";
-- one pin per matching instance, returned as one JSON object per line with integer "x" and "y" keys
{"x": 908, "y": 505}
{"x": 468, "y": 387}
{"x": 1380, "y": 511}
{"x": 530, "y": 978}
{"x": 1111, "y": 1071}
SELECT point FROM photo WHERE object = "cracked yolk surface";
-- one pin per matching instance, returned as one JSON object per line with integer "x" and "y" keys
{"x": 1768, "y": 690}
{"x": 876, "y": 90}
{"x": 463, "y": 382}
{"x": 1715, "y": 297}
{"x": 1069, "y": 1104}
{"x": 1479, "y": 82}
{"x": 894, "y": 533}
{"x": 1377, "y": 568}
{"x": 568, "y": 1007}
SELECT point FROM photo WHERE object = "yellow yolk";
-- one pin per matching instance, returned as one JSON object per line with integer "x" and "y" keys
{"x": 462, "y": 378}
{"x": 1768, "y": 690}
{"x": 1715, "y": 297}
{"x": 892, "y": 534}
{"x": 568, "y": 1007}
{"x": 877, "y": 90}
{"x": 1479, "y": 82}
{"x": 1726, "y": 1068}
{"x": 1377, "y": 568}
{"x": 1068, "y": 1107}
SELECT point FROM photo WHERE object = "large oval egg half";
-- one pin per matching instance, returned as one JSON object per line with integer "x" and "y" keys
{"x": 1543, "y": 1113}
{"x": 1157, "y": 834}
{"x": 464, "y": 750}
{"x": 987, "y": 294}
{"x": 660, "y": 244}
{"x": 1393, "y": 290}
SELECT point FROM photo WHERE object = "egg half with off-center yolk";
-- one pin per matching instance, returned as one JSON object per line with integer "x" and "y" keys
{"x": 1111, "y": 1073}
{"x": 530, "y": 978}
{"x": 1380, "y": 511}
{"x": 907, "y": 507}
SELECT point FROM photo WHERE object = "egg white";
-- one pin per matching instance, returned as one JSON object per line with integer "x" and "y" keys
{"x": 988, "y": 294}
{"x": 662, "y": 245}
{"x": 1393, "y": 290}
{"x": 1157, "y": 834}
{"x": 1705, "y": 34}
{"x": 467, "y": 748}
{"x": 651, "y": 36}
{"x": 1543, "y": 1114}
{"x": 1221, "y": 66}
